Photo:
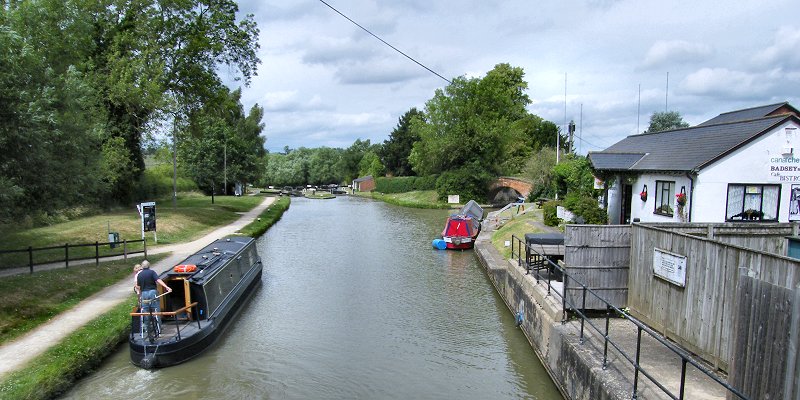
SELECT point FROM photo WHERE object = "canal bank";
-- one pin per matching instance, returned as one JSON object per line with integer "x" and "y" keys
{"x": 355, "y": 304}
{"x": 575, "y": 361}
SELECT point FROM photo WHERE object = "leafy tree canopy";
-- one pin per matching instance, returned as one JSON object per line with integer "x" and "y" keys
{"x": 470, "y": 121}
{"x": 395, "y": 151}
{"x": 665, "y": 121}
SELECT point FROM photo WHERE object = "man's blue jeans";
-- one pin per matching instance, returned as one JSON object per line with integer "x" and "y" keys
{"x": 150, "y": 305}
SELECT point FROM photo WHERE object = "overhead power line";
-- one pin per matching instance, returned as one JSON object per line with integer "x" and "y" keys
{"x": 384, "y": 42}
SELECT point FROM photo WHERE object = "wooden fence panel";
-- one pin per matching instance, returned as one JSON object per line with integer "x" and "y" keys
{"x": 762, "y": 340}
{"x": 599, "y": 257}
{"x": 699, "y": 316}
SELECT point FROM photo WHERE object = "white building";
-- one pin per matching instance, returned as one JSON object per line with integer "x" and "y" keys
{"x": 739, "y": 166}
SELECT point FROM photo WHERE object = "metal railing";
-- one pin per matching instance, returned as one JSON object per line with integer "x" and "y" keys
{"x": 532, "y": 256}
{"x": 64, "y": 256}
{"x": 173, "y": 314}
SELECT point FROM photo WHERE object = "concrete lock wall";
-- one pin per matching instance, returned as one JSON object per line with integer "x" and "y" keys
{"x": 577, "y": 372}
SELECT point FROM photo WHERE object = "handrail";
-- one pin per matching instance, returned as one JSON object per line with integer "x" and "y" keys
{"x": 641, "y": 327}
{"x": 164, "y": 313}
{"x": 66, "y": 256}
{"x": 167, "y": 313}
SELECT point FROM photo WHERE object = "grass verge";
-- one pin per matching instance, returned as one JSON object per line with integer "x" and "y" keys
{"x": 31, "y": 300}
{"x": 415, "y": 199}
{"x": 518, "y": 227}
{"x": 193, "y": 217}
{"x": 267, "y": 218}
{"x": 54, "y": 371}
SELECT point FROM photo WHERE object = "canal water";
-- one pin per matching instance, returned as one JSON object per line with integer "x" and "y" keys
{"x": 356, "y": 304}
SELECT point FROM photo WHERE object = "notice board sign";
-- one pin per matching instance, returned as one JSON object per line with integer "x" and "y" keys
{"x": 669, "y": 266}
{"x": 148, "y": 211}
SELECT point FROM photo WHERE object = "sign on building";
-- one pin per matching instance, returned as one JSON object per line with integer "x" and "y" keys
{"x": 669, "y": 266}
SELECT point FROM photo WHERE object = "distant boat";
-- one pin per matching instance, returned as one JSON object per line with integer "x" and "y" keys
{"x": 461, "y": 229}
{"x": 208, "y": 290}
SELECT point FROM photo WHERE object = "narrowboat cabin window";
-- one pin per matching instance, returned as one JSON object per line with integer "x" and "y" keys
{"x": 752, "y": 202}
{"x": 665, "y": 192}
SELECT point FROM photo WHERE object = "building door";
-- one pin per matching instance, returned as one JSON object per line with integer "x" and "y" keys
{"x": 625, "y": 210}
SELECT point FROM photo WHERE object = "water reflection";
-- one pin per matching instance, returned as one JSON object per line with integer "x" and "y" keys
{"x": 356, "y": 303}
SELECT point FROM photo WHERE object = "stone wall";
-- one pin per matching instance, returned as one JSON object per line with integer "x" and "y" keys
{"x": 574, "y": 368}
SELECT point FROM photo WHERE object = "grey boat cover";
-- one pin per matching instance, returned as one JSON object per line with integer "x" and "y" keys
{"x": 545, "y": 238}
{"x": 473, "y": 210}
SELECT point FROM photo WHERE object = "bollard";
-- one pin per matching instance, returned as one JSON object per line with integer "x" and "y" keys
{"x": 30, "y": 258}
{"x": 96, "y": 254}
{"x": 66, "y": 255}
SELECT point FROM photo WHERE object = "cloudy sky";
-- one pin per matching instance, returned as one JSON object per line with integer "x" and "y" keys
{"x": 325, "y": 82}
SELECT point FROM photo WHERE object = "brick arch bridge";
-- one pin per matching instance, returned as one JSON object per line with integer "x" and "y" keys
{"x": 521, "y": 186}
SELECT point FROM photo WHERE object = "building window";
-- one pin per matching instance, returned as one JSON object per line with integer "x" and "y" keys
{"x": 752, "y": 202}
{"x": 665, "y": 192}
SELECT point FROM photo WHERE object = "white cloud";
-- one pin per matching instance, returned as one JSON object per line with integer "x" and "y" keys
{"x": 784, "y": 52}
{"x": 666, "y": 53}
{"x": 720, "y": 82}
{"x": 325, "y": 82}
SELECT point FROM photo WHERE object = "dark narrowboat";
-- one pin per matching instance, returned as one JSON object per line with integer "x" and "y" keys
{"x": 208, "y": 290}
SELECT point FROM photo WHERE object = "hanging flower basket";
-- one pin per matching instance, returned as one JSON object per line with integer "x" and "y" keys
{"x": 680, "y": 199}
{"x": 643, "y": 196}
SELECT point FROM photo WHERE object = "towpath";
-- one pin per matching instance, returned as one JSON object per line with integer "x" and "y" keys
{"x": 18, "y": 353}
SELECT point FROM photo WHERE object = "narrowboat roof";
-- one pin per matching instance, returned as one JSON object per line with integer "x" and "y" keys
{"x": 472, "y": 209}
{"x": 213, "y": 257}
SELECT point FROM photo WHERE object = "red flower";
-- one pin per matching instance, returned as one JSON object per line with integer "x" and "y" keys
{"x": 681, "y": 199}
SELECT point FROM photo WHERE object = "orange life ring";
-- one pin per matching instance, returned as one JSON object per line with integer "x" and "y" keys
{"x": 185, "y": 268}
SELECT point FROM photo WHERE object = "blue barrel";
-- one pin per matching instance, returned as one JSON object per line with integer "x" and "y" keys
{"x": 439, "y": 244}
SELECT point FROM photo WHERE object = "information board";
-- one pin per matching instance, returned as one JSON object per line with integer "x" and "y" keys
{"x": 669, "y": 266}
{"x": 148, "y": 216}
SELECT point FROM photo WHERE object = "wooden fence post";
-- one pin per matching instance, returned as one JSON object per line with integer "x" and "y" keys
{"x": 30, "y": 258}
{"x": 125, "y": 249}
{"x": 97, "y": 254}
{"x": 66, "y": 255}
{"x": 791, "y": 388}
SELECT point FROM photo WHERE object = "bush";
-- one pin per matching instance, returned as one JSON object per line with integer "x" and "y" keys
{"x": 549, "y": 212}
{"x": 400, "y": 184}
{"x": 469, "y": 182}
{"x": 155, "y": 183}
{"x": 404, "y": 184}
{"x": 425, "y": 182}
{"x": 586, "y": 208}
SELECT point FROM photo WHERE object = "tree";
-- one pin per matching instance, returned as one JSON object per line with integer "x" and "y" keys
{"x": 539, "y": 169}
{"x": 395, "y": 151}
{"x": 530, "y": 134}
{"x": 470, "y": 121}
{"x": 221, "y": 145}
{"x": 348, "y": 166}
{"x": 51, "y": 133}
{"x": 322, "y": 166}
{"x": 665, "y": 121}
{"x": 370, "y": 165}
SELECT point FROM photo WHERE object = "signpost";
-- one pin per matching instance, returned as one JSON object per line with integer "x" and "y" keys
{"x": 148, "y": 213}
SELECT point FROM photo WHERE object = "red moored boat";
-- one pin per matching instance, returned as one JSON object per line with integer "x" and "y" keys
{"x": 461, "y": 229}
